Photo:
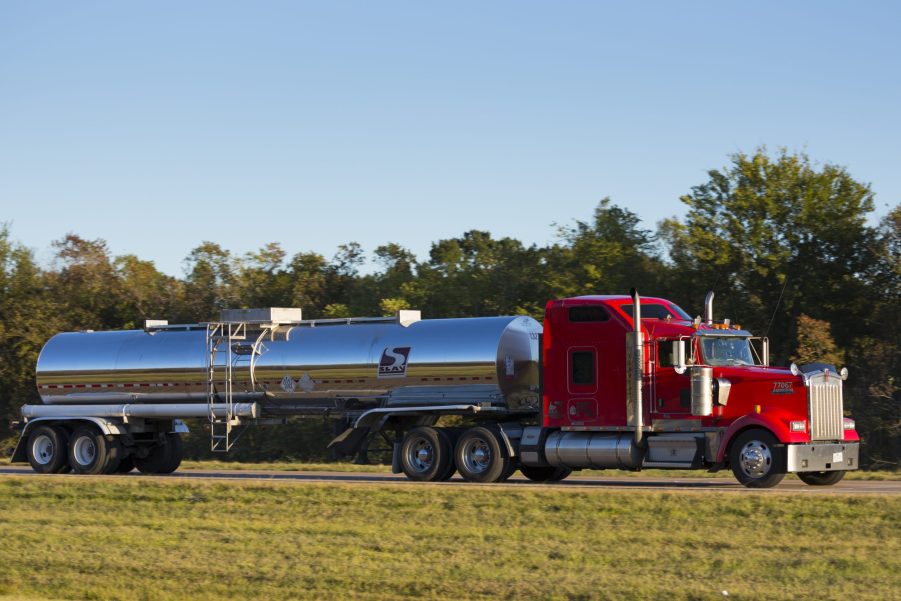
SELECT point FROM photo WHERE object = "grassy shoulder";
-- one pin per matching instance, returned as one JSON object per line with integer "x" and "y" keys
{"x": 131, "y": 538}
{"x": 288, "y": 466}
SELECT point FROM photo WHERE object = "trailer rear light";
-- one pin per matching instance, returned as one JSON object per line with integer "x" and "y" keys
{"x": 848, "y": 423}
{"x": 799, "y": 426}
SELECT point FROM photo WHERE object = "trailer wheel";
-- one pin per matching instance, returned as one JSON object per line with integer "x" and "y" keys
{"x": 126, "y": 465}
{"x": 757, "y": 459}
{"x": 480, "y": 457}
{"x": 545, "y": 474}
{"x": 47, "y": 450}
{"x": 821, "y": 478}
{"x": 176, "y": 452}
{"x": 91, "y": 453}
{"x": 163, "y": 458}
{"x": 425, "y": 455}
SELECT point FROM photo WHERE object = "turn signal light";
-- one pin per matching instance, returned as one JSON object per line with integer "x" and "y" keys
{"x": 799, "y": 426}
{"x": 849, "y": 423}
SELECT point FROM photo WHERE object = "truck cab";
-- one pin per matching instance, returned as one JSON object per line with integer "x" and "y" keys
{"x": 708, "y": 398}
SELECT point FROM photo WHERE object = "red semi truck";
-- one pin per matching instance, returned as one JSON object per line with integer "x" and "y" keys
{"x": 606, "y": 382}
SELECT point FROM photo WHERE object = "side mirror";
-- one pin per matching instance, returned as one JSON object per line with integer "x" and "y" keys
{"x": 679, "y": 356}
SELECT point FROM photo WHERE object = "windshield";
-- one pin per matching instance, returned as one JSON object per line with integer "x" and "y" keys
{"x": 726, "y": 350}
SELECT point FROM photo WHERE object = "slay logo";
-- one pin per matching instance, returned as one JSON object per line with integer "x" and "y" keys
{"x": 393, "y": 363}
{"x": 783, "y": 387}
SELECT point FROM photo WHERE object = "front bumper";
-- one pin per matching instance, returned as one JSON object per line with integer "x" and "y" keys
{"x": 822, "y": 457}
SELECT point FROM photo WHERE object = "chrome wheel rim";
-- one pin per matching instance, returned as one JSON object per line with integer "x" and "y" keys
{"x": 755, "y": 459}
{"x": 420, "y": 454}
{"x": 84, "y": 450}
{"x": 477, "y": 455}
{"x": 42, "y": 449}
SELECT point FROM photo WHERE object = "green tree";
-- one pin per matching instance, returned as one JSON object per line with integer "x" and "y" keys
{"x": 608, "y": 255}
{"x": 777, "y": 226}
{"x": 815, "y": 343}
{"x": 28, "y": 317}
{"x": 210, "y": 283}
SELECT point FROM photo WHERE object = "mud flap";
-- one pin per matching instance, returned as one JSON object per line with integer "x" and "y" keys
{"x": 349, "y": 441}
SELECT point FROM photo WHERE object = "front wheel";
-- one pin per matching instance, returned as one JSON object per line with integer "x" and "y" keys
{"x": 757, "y": 459}
{"x": 821, "y": 478}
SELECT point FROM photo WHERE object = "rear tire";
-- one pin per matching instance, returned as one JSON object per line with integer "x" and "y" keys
{"x": 425, "y": 455}
{"x": 757, "y": 459}
{"x": 47, "y": 450}
{"x": 480, "y": 456}
{"x": 126, "y": 465}
{"x": 545, "y": 474}
{"x": 163, "y": 458}
{"x": 92, "y": 453}
{"x": 821, "y": 478}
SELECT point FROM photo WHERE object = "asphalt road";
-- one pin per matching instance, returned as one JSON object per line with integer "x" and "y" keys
{"x": 791, "y": 484}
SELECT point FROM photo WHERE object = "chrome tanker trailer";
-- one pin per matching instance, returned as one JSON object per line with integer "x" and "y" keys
{"x": 114, "y": 400}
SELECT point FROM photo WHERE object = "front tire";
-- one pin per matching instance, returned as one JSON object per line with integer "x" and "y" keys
{"x": 425, "y": 455}
{"x": 47, "y": 450}
{"x": 480, "y": 457}
{"x": 821, "y": 478}
{"x": 757, "y": 459}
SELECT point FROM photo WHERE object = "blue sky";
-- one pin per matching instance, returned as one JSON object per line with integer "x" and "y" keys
{"x": 157, "y": 125}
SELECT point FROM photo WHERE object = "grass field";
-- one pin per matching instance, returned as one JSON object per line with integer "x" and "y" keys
{"x": 102, "y": 538}
{"x": 288, "y": 466}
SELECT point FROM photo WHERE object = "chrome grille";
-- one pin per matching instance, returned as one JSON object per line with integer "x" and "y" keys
{"x": 824, "y": 395}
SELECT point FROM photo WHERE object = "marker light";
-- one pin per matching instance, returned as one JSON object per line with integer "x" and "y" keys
{"x": 848, "y": 423}
{"x": 799, "y": 426}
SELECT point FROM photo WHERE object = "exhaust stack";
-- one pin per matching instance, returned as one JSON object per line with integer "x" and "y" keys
{"x": 636, "y": 371}
{"x": 708, "y": 308}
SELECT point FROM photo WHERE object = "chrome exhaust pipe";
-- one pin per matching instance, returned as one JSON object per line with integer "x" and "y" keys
{"x": 637, "y": 371}
{"x": 708, "y": 308}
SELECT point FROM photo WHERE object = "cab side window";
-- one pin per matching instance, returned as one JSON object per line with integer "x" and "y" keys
{"x": 582, "y": 367}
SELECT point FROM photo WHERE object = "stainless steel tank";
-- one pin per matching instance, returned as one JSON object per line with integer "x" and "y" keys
{"x": 307, "y": 367}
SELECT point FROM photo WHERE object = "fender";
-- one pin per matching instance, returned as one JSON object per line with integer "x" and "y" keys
{"x": 773, "y": 419}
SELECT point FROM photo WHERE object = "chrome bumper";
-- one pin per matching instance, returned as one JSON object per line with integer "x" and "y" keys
{"x": 822, "y": 457}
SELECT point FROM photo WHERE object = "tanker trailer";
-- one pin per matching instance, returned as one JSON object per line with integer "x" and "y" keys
{"x": 114, "y": 400}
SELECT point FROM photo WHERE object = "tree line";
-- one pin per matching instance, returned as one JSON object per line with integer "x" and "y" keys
{"x": 784, "y": 241}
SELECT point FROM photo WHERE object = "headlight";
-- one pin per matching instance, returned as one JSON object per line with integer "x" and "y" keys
{"x": 799, "y": 426}
{"x": 796, "y": 371}
{"x": 849, "y": 423}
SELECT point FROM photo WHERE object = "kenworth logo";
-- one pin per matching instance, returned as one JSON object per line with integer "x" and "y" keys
{"x": 393, "y": 363}
{"x": 783, "y": 387}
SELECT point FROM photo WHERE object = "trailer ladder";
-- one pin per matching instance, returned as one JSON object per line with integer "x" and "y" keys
{"x": 225, "y": 425}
